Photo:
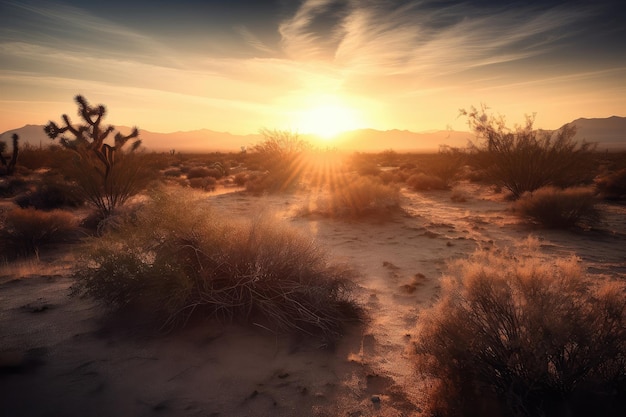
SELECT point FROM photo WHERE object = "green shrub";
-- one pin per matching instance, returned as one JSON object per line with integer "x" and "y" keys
{"x": 557, "y": 208}
{"x": 178, "y": 263}
{"x": 25, "y": 230}
{"x": 526, "y": 159}
{"x": 515, "y": 336}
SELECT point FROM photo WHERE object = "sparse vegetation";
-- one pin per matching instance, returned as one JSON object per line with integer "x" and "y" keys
{"x": 7, "y": 167}
{"x": 612, "y": 186}
{"x": 106, "y": 176}
{"x": 516, "y": 336}
{"x": 23, "y": 231}
{"x": 560, "y": 208}
{"x": 525, "y": 159}
{"x": 181, "y": 263}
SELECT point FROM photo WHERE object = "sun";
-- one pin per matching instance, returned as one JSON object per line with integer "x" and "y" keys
{"x": 327, "y": 117}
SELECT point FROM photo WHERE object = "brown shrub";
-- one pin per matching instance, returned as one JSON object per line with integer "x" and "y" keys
{"x": 514, "y": 336}
{"x": 25, "y": 230}
{"x": 612, "y": 186}
{"x": 556, "y": 208}
{"x": 426, "y": 182}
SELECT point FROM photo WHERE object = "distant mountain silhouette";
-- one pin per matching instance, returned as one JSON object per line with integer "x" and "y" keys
{"x": 610, "y": 133}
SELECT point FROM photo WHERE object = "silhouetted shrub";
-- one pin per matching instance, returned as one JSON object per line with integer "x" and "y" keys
{"x": 25, "y": 230}
{"x": 241, "y": 178}
{"x": 198, "y": 172}
{"x": 515, "y": 336}
{"x": 51, "y": 192}
{"x": 612, "y": 186}
{"x": 556, "y": 208}
{"x": 181, "y": 263}
{"x": 526, "y": 159}
{"x": 11, "y": 186}
{"x": 203, "y": 183}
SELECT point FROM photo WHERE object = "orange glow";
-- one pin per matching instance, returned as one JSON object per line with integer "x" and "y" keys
{"x": 326, "y": 117}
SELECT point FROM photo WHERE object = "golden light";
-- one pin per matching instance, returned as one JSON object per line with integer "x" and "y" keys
{"x": 326, "y": 117}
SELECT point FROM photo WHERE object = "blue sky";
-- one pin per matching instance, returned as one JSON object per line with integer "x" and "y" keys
{"x": 239, "y": 66}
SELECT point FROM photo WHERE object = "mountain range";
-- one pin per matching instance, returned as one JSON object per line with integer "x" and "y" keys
{"x": 609, "y": 133}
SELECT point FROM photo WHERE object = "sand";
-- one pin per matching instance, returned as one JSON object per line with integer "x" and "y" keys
{"x": 63, "y": 356}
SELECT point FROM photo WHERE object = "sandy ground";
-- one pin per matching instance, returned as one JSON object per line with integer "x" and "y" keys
{"x": 61, "y": 356}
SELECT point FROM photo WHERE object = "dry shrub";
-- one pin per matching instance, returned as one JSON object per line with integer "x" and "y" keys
{"x": 426, "y": 182}
{"x": 25, "y": 230}
{"x": 525, "y": 159}
{"x": 52, "y": 192}
{"x": 356, "y": 196}
{"x": 515, "y": 336}
{"x": 556, "y": 208}
{"x": 203, "y": 183}
{"x": 612, "y": 186}
{"x": 204, "y": 172}
{"x": 176, "y": 264}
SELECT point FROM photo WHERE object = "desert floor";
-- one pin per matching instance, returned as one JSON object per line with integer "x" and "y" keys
{"x": 62, "y": 356}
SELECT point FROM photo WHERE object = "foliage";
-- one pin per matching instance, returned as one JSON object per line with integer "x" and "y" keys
{"x": 357, "y": 196}
{"x": 424, "y": 182}
{"x": 512, "y": 335}
{"x": 612, "y": 185}
{"x": 525, "y": 159}
{"x": 25, "y": 230}
{"x": 8, "y": 167}
{"x": 106, "y": 176}
{"x": 51, "y": 192}
{"x": 281, "y": 156}
{"x": 557, "y": 208}
{"x": 181, "y": 263}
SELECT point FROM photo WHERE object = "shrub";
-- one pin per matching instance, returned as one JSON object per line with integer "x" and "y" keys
{"x": 511, "y": 335}
{"x": 203, "y": 183}
{"x": 25, "y": 230}
{"x": 181, "y": 263}
{"x": 357, "y": 196}
{"x": 612, "y": 186}
{"x": 526, "y": 159}
{"x": 50, "y": 193}
{"x": 556, "y": 208}
{"x": 424, "y": 182}
{"x": 198, "y": 172}
{"x": 11, "y": 186}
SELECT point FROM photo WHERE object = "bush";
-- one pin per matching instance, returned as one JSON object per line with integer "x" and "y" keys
{"x": 526, "y": 159}
{"x": 180, "y": 263}
{"x": 51, "y": 192}
{"x": 203, "y": 172}
{"x": 612, "y": 186}
{"x": 556, "y": 208}
{"x": 358, "y": 196}
{"x": 25, "y": 230}
{"x": 425, "y": 182}
{"x": 203, "y": 183}
{"x": 513, "y": 336}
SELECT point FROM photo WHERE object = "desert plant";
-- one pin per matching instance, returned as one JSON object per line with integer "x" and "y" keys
{"x": 51, "y": 192}
{"x": 612, "y": 185}
{"x": 525, "y": 159}
{"x": 514, "y": 335}
{"x": 107, "y": 176}
{"x": 354, "y": 196}
{"x": 425, "y": 182}
{"x": 560, "y": 208}
{"x": 281, "y": 156}
{"x": 25, "y": 230}
{"x": 182, "y": 263}
{"x": 8, "y": 167}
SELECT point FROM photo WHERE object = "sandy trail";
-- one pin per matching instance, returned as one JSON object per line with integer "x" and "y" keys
{"x": 58, "y": 356}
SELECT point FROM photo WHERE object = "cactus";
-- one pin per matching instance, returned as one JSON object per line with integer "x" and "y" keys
{"x": 9, "y": 166}
{"x": 89, "y": 137}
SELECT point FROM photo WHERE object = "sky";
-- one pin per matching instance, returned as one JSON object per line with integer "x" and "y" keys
{"x": 311, "y": 66}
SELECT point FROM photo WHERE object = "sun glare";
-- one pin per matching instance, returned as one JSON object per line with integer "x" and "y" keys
{"x": 327, "y": 118}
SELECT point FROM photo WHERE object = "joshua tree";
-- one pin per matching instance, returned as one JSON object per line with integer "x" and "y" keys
{"x": 104, "y": 173}
{"x": 9, "y": 166}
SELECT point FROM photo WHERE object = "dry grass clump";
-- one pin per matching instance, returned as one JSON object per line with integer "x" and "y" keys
{"x": 357, "y": 196}
{"x": 515, "y": 336}
{"x": 23, "y": 231}
{"x": 557, "y": 208}
{"x": 52, "y": 191}
{"x": 178, "y": 261}
{"x": 426, "y": 182}
{"x": 612, "y": 186}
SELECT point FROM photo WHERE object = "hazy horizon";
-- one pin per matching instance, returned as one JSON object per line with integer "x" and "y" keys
{"x": 313, "y": 66}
